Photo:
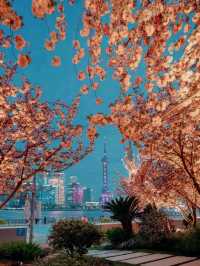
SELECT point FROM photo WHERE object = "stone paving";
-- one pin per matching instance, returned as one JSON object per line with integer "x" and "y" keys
{"x": 144, "y": 258}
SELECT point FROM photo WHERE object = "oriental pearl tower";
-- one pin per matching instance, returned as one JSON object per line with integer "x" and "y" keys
{"x": 106, "y": 195}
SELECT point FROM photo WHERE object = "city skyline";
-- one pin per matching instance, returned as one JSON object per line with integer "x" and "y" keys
{"x": 57, "y": 189}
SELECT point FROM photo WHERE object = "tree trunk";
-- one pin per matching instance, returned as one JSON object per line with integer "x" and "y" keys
{"x": 127, "y": 226}
{"x": 194, "y": 214}
{"x": 3, "y": 204}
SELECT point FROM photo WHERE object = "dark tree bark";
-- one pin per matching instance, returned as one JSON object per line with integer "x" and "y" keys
{"x": 127, "y": 226}
{"x": 194, "y": 214}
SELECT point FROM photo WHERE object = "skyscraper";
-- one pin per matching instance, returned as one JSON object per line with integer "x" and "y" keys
{"x": 106, "y": 195}
{"x": 57, "y": 181}
{"x": 77, "y": 195}
{"x": 74, "y": 193}
{"x": 69, "y": 191}
{"x": 87, "y": 194}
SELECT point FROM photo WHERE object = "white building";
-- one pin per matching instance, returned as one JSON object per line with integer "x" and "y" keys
{"x": 57, "y": 181}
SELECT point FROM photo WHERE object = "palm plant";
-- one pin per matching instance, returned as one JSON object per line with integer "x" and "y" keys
{"x": 124, "y": 210}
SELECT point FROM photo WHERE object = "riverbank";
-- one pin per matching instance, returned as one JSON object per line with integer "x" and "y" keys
{"x": 17, "y": 215}
{"x": 44, "y": 225}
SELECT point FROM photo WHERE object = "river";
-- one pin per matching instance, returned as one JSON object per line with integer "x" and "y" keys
{"x": 15, "y": 214}
{"x": 41, "y": 230}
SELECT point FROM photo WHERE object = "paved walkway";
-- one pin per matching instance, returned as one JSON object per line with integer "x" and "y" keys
{"x": 144, "y": 258}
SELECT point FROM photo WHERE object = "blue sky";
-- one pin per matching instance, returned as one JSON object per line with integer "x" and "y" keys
{"x": 61, "y": 83}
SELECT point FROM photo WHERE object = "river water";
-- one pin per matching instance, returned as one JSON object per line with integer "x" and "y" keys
{"x": 93, "y": 215}
{"x": 41, "y": 230}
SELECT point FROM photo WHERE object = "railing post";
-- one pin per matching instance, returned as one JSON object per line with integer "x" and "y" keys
{"x": 32, "y": 210}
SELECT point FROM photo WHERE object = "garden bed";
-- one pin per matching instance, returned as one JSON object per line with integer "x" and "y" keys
{"x": 64, "y": 260}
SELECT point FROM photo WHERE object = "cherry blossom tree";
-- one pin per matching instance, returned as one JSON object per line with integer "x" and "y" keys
{"x": 149, "y": 45}
{"x": 159, "y": 38}
{"x": 125, "y": 35}
{"x": 141, "y": 36}
{"x": 160, "y": 110}
{"x": 35, "y": 137}
{"x": 161, "y": 184}
{"x": 165, "y": 129}
{"x": 152, "y": 48}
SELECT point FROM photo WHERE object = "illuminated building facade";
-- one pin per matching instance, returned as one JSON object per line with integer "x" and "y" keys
{"x": 57, "y": 182}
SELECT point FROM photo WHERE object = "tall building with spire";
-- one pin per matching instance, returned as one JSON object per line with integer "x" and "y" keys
{"x": 106, "y": 195}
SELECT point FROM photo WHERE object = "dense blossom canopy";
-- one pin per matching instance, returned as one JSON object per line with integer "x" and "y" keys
{"x": 152, "y": 49}
{"x": 34, "y": 136}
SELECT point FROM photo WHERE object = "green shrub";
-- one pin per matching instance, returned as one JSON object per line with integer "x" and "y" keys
{"x": 140, "y": 242}
{"x": 74, "y": 236}
{"x": 154, "y": 227}
{"x": 189, "y": 243}
{"x": 19, "y": 251}
{"x": 181, "y": 243}
{"x": 105, "y": 220}
{"x": 118, "y": 237}
{"x": 2, "y": 222}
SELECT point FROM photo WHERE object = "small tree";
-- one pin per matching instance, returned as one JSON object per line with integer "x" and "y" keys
{"x": 74, "y": 236}
{"x": 124, "y": 210}
{"x": 154, "y": 226}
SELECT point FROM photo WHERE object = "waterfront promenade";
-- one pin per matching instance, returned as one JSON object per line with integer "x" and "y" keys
{"x": 41, "y": 230}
